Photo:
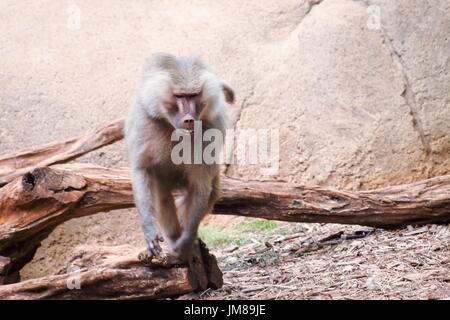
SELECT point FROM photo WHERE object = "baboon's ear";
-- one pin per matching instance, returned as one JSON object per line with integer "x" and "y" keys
{"x": 229, "y": 93}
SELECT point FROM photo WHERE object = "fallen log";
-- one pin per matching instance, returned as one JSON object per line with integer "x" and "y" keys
{"x": 16, "y": 164}
{"x": 116, "y": 273}
{"x": 31, "y": 206}
{"x": 5, "y": 275}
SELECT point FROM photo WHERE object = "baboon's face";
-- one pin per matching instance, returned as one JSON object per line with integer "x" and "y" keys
{"x": 184, "y": 109}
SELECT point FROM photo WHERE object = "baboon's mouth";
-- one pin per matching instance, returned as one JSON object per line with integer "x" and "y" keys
{"x": 187, "y": 131}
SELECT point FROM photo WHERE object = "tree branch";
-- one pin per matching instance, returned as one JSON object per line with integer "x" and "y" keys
{"x": 116, "y": 273}
{"x": 16, "y": 164}
{"x": 31, "y": 206}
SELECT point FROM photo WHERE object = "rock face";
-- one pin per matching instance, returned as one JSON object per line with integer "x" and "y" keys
{"x": 359, "y": 90}
{"x": 357, "y": 106}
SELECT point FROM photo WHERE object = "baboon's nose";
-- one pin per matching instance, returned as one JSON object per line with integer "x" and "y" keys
{"x": 188, "y": 122}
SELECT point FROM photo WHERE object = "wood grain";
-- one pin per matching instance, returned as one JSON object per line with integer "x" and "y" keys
{"x": 32, "y": 205}
{"x": 116, "y": 273}
{"x": 16, "y": 164}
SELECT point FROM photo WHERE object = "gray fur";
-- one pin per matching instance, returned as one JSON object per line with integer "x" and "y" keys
{"x": 147, "y": 135}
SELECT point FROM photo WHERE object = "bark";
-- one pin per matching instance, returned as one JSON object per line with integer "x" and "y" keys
{"x": 116, "y": 273}
{"x": 17, "y": 164}
{"x": 33, "y": 205}
{"x": 422, "y": 202}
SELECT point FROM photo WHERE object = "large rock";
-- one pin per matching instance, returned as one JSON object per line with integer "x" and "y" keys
{"x": 356, "y": 107}
{"x": 419, "y": 37}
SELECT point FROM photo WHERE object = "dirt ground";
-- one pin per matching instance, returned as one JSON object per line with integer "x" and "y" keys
{"x": 288, "y": 261}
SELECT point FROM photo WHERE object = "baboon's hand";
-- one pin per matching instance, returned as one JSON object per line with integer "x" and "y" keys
{"x": 182, "y": 247}
{"x": 153, "y": 249}
{"x": 162, "y": 260}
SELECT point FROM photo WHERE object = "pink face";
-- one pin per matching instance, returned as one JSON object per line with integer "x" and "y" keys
{"x": 184, "y": 110}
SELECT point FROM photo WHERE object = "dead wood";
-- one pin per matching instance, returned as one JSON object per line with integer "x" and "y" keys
{"x": 116, "y": 273}
{"x": 31, "y": 206}
{"x": 334, "y": 239}
{"x": 16, "y": 164}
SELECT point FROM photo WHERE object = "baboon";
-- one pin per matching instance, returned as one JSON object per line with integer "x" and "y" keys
{"x": 175, "y": 94}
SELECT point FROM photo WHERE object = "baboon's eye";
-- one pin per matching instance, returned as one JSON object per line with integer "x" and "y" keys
{"x": 185, "y": 95}
{"x": 172, "y": 107}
